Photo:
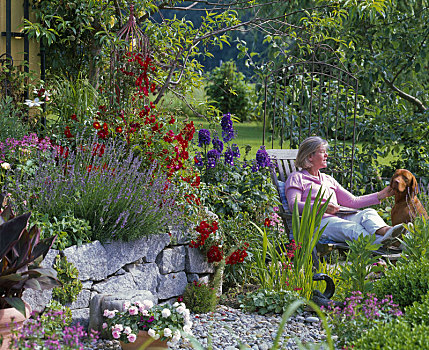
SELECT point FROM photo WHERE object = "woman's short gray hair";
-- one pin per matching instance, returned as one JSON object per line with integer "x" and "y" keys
{"x": 307, "y": 148}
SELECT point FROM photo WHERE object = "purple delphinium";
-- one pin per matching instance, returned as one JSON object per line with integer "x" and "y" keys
{"x": 227, "y": 129}
{"x": 235, "y": 150}
{"x": 262, "y": 158}
{"x": 212, "y": 157}
{"x": 198, "y": 160}
{"x": 217, "y": 144}
{"x": 229, "y": 156}
{"x": 203, "y": 137}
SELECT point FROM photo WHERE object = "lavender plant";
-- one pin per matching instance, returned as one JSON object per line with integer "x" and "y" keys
{"x": 104, "y": 184}
{"x": 359, "y": 314}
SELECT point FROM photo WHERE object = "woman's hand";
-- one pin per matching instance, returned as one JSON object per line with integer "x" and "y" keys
{"x": 332, "y": 209}
{"x": 385, "y": 192}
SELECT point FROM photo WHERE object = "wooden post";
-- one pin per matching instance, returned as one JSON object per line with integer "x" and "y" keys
{"x": 12, "y": 39}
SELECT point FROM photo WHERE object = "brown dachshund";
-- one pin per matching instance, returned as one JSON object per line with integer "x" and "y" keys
{"x": 407, "y": 205}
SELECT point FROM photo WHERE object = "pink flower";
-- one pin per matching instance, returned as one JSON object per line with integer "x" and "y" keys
{"x": 133, "y": 310}
{"x": 104, "y": 325}
{"x": 116, "y": 334}
{"x": 132, "y": 338}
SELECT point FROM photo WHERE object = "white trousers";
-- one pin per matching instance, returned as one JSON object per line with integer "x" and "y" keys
{"x": 350, "y": 226}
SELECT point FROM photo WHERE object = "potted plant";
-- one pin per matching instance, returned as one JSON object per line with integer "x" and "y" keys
{"x": 21, "y": 252}
{"x": 148, "y": 325}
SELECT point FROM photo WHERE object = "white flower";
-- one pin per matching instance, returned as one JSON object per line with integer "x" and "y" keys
{"x": 181, "y": 309}
{"x": 118, "y": 327}
{"x": 151, "y": 332}
{"x": 144, "y": 312}
{"x": 147, "y": 304}
{"x": 165, "y": 313}
{"x": 188, "y": 324}
{"x": 127, "y": 305}
{"x": 35, "y": 103}
{"x": 187, "y": 329}
{"x": 5, "y": 166}
{"x": 176, "y": 334}
{"x": 109, "y": 314}
{"x": 127, "y": 330}
{"x": 176, "y": 304}
{"x": 167, "y": 332}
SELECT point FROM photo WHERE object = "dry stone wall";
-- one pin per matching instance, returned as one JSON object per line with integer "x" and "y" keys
{"x": 157, "y": 267}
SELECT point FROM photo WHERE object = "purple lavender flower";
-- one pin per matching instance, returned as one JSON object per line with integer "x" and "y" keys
{"x": 203, "y": 137}
{"x": 217, "y": 144}
{"x": 227, "y": 129}
{"x": 212, "y": 156}
{"x": 262, "y": 158}
{"x": 229, "y": 156}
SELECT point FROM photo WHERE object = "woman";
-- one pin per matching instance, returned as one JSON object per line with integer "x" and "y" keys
{"x": 312, "y": 156}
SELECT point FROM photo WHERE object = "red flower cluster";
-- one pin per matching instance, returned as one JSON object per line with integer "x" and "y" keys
{"x": 214, "y": 254}
{"x": 98, "y": 149}
{"x": 291, "y": 248}
{"x": 204, "y": 229}
{"x": 67, "y": 132}
{"x": 237, "y": 256}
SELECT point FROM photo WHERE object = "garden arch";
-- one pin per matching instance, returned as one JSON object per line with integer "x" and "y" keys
{"x": 314, "y": 95}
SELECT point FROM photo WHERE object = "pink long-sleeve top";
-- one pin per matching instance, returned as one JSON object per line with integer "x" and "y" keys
{"x": 299, "y": 183}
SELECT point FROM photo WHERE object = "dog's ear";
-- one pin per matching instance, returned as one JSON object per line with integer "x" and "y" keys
{"x": 393, "y": 176}
{"x": 414, "y": 188}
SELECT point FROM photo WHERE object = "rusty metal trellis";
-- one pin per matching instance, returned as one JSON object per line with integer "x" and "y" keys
{"x": 316, "y": 95}
{"x": 133, "y": 36}
{"x": 135, "y": 42}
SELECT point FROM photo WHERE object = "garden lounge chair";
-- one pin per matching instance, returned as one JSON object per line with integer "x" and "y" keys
{"x": 284, "y": 165}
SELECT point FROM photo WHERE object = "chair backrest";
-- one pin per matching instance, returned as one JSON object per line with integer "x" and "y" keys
{"x": 284, "y": 160}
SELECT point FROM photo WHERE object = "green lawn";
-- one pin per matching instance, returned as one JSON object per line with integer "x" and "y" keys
{"x": 247, "y": 133}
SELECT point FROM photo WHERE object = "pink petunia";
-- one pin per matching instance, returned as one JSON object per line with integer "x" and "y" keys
{"x": 132, "y": 338}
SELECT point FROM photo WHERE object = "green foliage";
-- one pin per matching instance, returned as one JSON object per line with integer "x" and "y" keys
{"x": 199, "y": 297}
{"x": 73, "y": 103}
{"x": 70, "y": 230}
{"x": 307, "y": 232}
{"x": 11, "y": 124}
{"x": 407, "y": 282}
{"x": 394, "y": 336}
{"x": 416, "y": 240}
{"x": 360, "y": 313}
{"x": 418, "y": 312}
{"x": 229, "y": 91}
{"x": 55, "y": 317}
{"x": 265, "y": 301}
{"x": 235, "y": 231}
{"x": 68, "y": 275}
{"x": 237, "y": 188}
{"x": 360, "y": 263}
{"x": 291, "y": 266}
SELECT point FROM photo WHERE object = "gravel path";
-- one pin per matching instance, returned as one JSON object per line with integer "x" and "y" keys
{"x": 228, "y": 328}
